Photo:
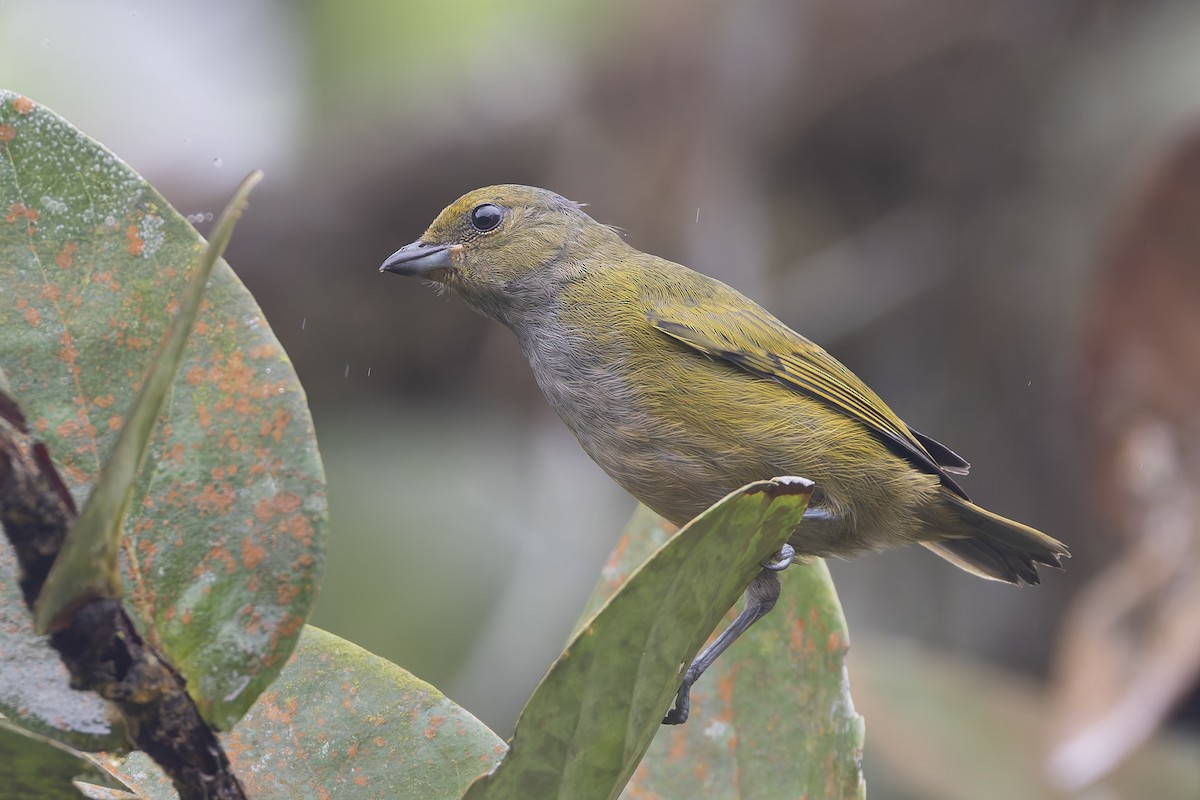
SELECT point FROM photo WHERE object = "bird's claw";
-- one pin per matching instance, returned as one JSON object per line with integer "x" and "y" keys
{"x": 781, "y": 560}
{"x": 679, "y": 712}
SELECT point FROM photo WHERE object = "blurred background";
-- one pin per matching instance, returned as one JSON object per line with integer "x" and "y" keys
{"x": 989, "y": 209}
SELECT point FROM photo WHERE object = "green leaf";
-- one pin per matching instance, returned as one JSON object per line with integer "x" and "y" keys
{"x": 86, "y": 567}
{"x": 773, "y": 717}
{"x": 225, "y": 535}
{"x": 594, "y": 714}
{"x": 36, "y": 768}
{"x": 343, "y": 723}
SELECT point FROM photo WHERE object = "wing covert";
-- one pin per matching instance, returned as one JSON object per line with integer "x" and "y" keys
{"x": 753, "y": 340}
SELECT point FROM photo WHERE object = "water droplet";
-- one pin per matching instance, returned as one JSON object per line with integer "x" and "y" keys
{"x": 268, "y": 370}
{"x": 217, "y": 162}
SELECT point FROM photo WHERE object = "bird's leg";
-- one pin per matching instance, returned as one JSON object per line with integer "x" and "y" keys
{"x": 760, "y": 598}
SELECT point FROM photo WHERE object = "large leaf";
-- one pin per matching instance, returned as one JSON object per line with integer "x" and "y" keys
{"x": 343, "y": 723}
{"x": 592, "y": 717}
{"x": 773, "y": 717}
{"x": 88, "y": 565}
{"x": 33, "y": 681}
{"x": 225, "y": 535}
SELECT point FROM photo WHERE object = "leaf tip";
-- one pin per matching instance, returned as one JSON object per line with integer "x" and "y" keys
{"x": 784, "y": 485}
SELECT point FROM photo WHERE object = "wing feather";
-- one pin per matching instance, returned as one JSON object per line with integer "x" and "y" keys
{"x": 755, "y": 341}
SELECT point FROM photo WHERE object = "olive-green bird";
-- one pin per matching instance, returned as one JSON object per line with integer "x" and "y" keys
{"x": 682, "y": 389}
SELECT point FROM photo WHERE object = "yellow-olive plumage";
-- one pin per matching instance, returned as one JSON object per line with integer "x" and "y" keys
{"x": 682, "y": 389}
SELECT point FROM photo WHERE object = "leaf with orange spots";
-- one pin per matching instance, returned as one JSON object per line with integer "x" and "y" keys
{"x": 226, "y": 550}
{"x": 592, "y": 717}
{"x": 88, "y": 566}
{"x": 343, "y": 723}
{"x": 773, "y": 717}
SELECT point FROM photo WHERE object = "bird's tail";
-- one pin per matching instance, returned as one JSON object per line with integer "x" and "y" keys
{"x": 997, "y": 548}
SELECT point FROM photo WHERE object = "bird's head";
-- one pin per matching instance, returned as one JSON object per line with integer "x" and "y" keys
{"x": 505, "y": 249}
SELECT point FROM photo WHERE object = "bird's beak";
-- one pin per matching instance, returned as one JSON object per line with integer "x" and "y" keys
{"x": 419, "y": 260}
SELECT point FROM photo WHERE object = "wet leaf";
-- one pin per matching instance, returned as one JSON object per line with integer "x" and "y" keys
{"x": 87, "y": 567}
{"x": 224, "y": 538}
{"x": 343, "y": 723}
{"x": 34, "y": 691}
{"x": 773, "y": 717}
{"x": 592, "y": 717}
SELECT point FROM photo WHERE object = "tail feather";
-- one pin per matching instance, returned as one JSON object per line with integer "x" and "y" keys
{"x": 997, "y": 548}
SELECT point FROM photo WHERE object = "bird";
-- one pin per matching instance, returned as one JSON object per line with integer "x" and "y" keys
{"x": 682, "y": 390}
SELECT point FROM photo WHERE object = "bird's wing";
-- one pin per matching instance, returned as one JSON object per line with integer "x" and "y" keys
{"x": 758, "y": 343}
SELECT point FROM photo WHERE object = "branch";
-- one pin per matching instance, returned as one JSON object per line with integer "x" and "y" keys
{"x": 98, "y": 642}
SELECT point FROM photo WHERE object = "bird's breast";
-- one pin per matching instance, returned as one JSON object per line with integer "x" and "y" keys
{"x": 629, "y": 420}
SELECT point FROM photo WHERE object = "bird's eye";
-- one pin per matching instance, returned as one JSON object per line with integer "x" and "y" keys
{"x": 485, "y": 217}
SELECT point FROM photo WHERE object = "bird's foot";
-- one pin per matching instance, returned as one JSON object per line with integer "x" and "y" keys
{"x": 683, "y": 702}
{"x": 781, "y": 560}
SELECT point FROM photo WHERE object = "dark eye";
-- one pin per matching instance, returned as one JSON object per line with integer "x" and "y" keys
{"x": 485, "y": 217}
